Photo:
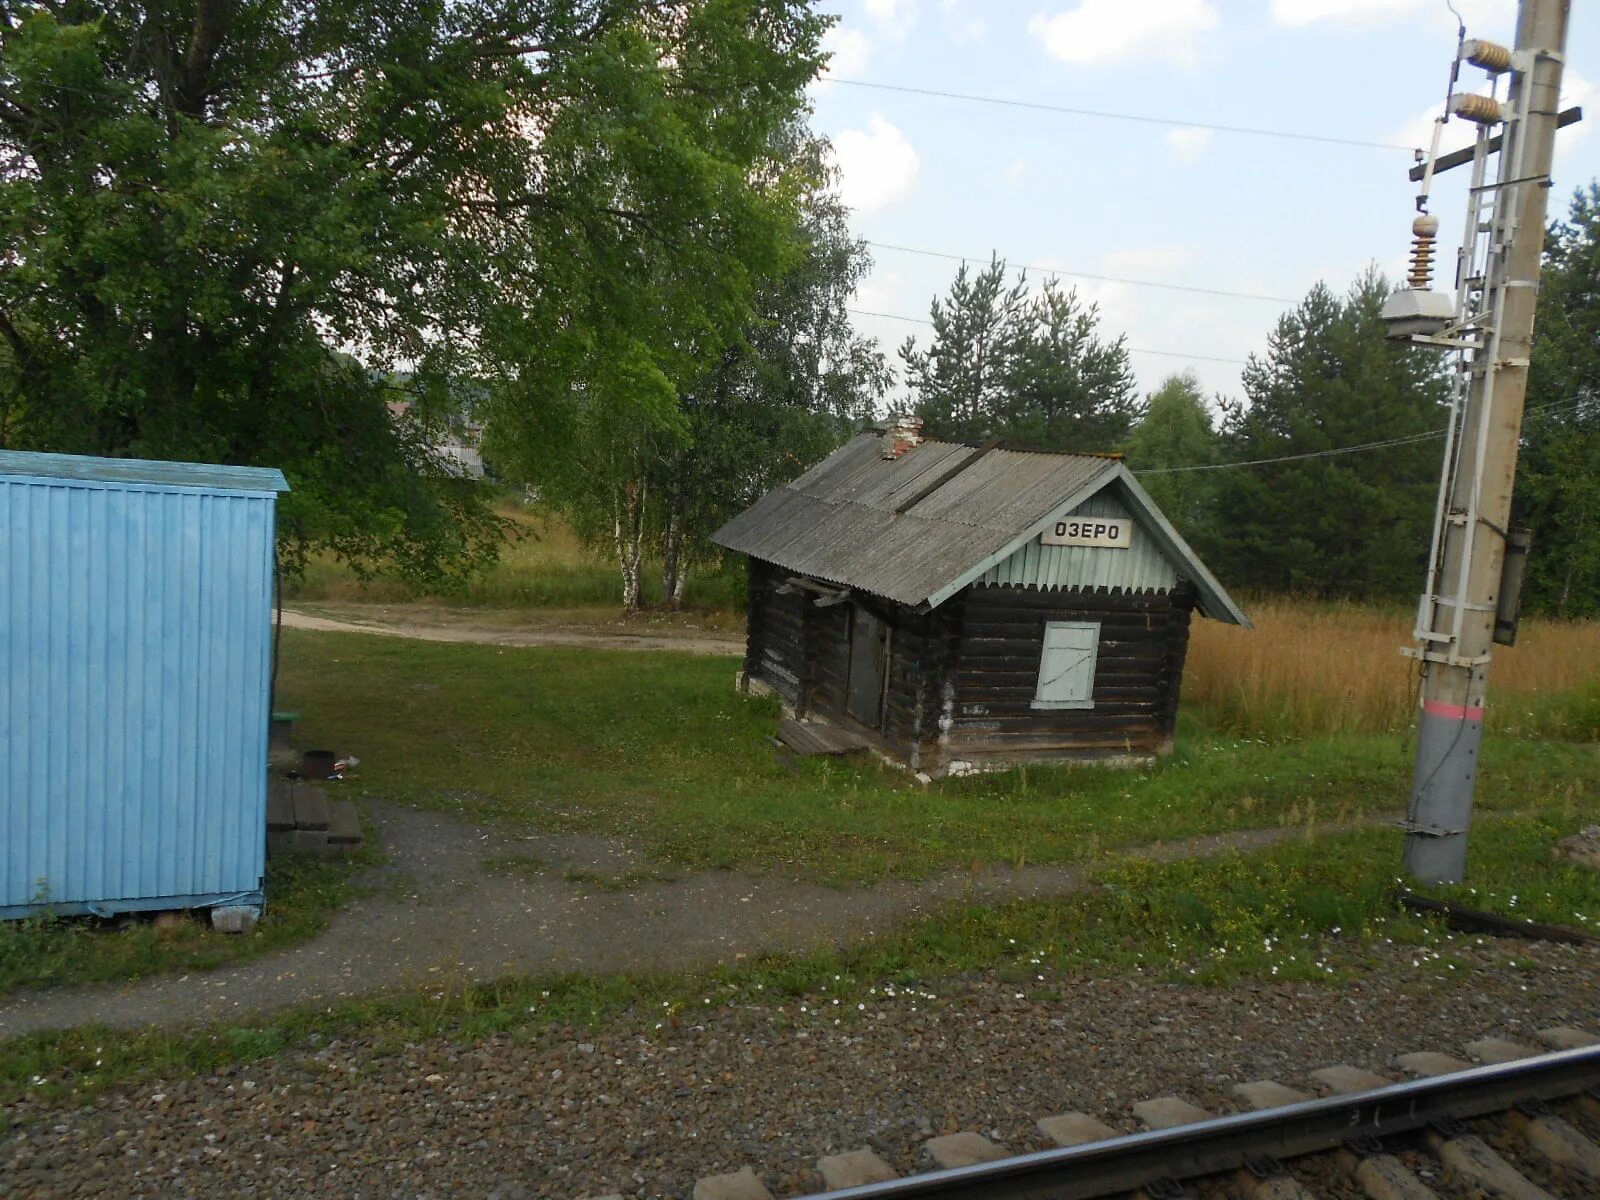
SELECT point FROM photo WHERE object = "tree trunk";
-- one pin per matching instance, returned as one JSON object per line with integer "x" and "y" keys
{"x": 628, "y": 524}
{"x": 673, "y": 572}
{"x": 630, "y": 585}
{"x": 671, "y": 562}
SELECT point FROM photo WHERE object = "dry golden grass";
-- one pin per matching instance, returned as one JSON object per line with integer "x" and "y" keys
{"x": 1336, "y": 668}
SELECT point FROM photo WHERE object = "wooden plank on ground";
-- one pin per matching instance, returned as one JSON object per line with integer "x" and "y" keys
{"x": 807, "y": 739}
{"x": 280, "y": 806}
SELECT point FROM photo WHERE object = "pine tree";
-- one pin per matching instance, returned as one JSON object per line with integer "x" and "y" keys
{"x": 1069, "y": 389}
{"x": 1342, "y": 525}
{"x": 1558, "y": 480}
{"x": 1026, "y": 368}
{"x": 961, "y": 383}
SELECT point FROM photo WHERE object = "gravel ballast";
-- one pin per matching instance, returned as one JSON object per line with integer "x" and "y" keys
{"x": 650, "y": 1103}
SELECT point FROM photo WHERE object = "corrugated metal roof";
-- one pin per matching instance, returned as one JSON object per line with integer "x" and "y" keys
{"x": 87, "y": 469}
{"x": 840, "y": 521}
{"x": 919, "y": 528}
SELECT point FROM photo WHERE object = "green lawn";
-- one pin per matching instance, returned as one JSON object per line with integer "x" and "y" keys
{"x": 662, "y": 749}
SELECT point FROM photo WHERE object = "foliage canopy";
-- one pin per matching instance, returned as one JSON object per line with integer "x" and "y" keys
{"x": 1558, "y": 481}
{"x": 755, "y": 407}
{"x": 203, "y": 203}
{"x": 1029, "y": 368}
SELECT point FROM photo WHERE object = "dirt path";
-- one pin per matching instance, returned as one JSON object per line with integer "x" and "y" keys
{"x": 436, "y": 911}
{"x": 449, "y": 627}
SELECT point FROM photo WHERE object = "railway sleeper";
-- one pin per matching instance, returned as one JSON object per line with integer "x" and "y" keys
{"x": 1448, "y": 1160}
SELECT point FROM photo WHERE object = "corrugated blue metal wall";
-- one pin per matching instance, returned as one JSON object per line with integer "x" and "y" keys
{"x": 1141, "y": 567}
{"x": 135, "y": 637}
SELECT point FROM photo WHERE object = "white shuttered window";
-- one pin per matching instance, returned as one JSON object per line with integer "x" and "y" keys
{"x": 1066, "y": 665}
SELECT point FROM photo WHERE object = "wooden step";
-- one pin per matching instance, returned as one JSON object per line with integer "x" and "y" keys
{"x": 811, "y": 738}
{"x": 344, "y": 826}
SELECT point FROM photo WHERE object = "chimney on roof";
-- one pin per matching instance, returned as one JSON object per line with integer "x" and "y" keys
{"x": 904, "y": 432}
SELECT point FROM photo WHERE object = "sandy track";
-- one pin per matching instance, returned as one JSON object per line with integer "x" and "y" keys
{"x": 390, "y": 623}
{"x": 437, "y": 910}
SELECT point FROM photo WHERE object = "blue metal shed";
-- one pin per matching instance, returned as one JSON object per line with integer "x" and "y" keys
{"x": 135, "y": 679}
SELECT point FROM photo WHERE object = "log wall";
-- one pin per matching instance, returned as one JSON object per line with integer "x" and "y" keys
{"x": 775, "y": 643}
{"x": 989, "y": 713}
{"x": 905, "y": 727}
{"x": 961, "y": 679}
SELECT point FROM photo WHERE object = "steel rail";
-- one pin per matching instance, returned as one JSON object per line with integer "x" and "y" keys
{"x": 1227, "y": 1143}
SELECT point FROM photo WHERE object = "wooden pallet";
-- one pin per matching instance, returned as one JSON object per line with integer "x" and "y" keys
{"x": 807, "y": 739}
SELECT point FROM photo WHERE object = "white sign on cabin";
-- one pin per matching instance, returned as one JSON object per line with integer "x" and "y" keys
{"x": 1079, "y": 530}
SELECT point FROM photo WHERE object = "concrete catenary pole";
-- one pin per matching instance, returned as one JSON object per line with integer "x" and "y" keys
{"x": 1477, "y": 516}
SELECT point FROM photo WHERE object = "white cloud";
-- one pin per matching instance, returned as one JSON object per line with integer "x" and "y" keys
{"x": 1189, "y": 143}
{"x": 883, "y": 291}
{"x": 1103, "y": 31}
{"x": 876, "y": 168}
{"x": 1478, "y": 14}
{"x": 849, "y": 50}
{"x": 1575, "y": 89}
{"x": 1016, "y": 171}
{"x": 1418, "y": 132}
{"x": 893, "y": 17}
{"x": 962, "y": 26}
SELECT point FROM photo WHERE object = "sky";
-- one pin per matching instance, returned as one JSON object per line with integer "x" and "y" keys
{"x": 1149, "y": 201}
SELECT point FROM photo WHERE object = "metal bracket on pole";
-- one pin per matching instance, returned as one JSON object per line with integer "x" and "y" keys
{"x": 1430, "y": 831}
{"x": 1449, "y": 660}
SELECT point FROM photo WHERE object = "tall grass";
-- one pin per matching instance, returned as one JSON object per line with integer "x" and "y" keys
{"x": 542, "y": 566}
{"x": 1310, "y": 668}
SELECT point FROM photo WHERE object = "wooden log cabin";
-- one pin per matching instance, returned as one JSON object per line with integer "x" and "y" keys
{"x": 964, "y": 607}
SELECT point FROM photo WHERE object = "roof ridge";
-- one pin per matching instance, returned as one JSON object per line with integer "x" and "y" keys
{"x": 1025, "y": 448}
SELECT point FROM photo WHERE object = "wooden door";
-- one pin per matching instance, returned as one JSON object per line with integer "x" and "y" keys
{"x": 869, "y": 665}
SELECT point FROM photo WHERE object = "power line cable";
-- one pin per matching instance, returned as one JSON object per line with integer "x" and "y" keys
{"x": 1409, "y": 439}
{"x": 1149, "y": 283}
{"x": 862, "y": 312}
{"x": 1119, "y": 116}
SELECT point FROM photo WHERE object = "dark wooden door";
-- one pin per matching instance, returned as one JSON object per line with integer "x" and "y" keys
{"x": 869, "y": 663}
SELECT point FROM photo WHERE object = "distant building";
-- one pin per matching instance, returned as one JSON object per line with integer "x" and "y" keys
{"x": 966, "y": 606}
{"x": 458, "y": 446}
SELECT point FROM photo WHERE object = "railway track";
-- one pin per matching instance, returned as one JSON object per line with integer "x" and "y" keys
{"x": 1523, "y": 1126}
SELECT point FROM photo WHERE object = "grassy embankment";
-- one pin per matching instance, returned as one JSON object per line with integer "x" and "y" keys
{"x": 1308, "y": 668}
{"x": 1290, "y": 725}
{"x": 1313, "y": 909}
{"x": 661, "y": 749}
{"x": 46, "y": 951}
{"x": 1299, "y": 724}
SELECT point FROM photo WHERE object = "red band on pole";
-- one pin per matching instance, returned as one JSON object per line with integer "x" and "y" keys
{"x": 1456, "y": 712}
